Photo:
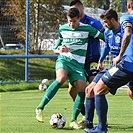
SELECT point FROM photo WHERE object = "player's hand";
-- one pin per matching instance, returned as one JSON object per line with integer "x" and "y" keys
{"x": 100, "y": 66}
{"x": 116, "y": 60}
{"x": 63, "y": 49}
{"x": 89, "y": 91}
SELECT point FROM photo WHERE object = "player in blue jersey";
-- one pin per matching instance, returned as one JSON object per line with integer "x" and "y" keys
{"x": 71, "y": 47}
{"x": 112, "y": 44}
{"x": 118, "y": 75}
{"x": 93, "y": 52}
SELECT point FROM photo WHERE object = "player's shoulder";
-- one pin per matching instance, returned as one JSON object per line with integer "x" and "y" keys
{"x": 85, "y": 27}
{"x": 82, "y": 24}
{"x": 95, "y": 23}
{"x": 126, "y": 17}
{"x": 108, "y": 32}
{"x": 64, "y": 26}
{"x": 93, "y": 20}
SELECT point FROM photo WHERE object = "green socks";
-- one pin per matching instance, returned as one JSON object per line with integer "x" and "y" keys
{"x": 49, "y": 94}
{"x": 78, "y": 105}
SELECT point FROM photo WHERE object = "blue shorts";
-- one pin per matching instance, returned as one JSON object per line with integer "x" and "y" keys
{"x": 99, "y": 75}
{"x": 117, "y": 77}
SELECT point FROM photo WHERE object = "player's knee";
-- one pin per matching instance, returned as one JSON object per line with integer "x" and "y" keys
{"x": 90, "y": 94}
{"x": 61, "y": 80}
{"x": 90, "y": 90}
{"x": 130, "y": 93}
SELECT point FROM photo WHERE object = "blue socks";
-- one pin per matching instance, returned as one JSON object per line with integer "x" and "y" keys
{"x": 101, "y": 106}
{"x": 89, "y": 110}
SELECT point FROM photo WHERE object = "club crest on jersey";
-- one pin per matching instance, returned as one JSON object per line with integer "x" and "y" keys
{"x": 117, "y": 39}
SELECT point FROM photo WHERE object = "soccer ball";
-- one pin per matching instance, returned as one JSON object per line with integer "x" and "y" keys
{"x": 57, "y": 121}
{"x": 42, "y": 87}
{"x": 44, "y": 81}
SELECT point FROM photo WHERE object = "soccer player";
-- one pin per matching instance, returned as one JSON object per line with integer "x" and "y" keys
{"x": 93, "y": 52}
{"x": 112, "y": 44}
{"x": 71, "y": 47}
{"x": 118, "y": 75}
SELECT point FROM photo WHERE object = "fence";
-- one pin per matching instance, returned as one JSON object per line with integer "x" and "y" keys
{"x": 30, "y": 67}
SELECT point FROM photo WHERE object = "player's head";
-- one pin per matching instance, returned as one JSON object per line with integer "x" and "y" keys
{"x": 73, "y": 17}
{"x": 78, "y": 4}
{"x": 130, "y": 6}
{"x": 110, "y": 19}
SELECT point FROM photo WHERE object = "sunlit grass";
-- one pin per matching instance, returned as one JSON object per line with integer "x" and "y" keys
{"x": 18, "y": 112}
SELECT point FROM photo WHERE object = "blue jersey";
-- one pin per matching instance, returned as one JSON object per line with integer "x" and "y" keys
{"x": 112, "y": 43}
{"x": 127, "y": 59}
{"x": 93, "y": 49}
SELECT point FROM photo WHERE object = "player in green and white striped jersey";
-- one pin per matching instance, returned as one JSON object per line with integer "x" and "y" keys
{"x": 71, "y": 47}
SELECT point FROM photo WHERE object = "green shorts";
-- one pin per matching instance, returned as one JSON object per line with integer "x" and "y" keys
{"x": 73, "y": 72}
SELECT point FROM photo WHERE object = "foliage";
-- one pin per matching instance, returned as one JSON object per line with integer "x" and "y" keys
{"x": 117, "y": 5}
{"x": 104, "y": 4}
{"x": 44, "y": 18}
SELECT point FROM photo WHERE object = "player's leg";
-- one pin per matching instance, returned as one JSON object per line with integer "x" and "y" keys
{"x": 77, "y": 79}
{"x": 89, "y": 107}
{"x": 90, "y": 73}
{"x": 90, "y": 101}
{"x": 130, "y": 89}
{"x": 72, "y": 92}
{"x": 79, "y": 102}
{"x": 61, "y": 76}
{"x": 130, "y": 93}
{"x": 98, "y": 100}
{"x": 114, "y": 78}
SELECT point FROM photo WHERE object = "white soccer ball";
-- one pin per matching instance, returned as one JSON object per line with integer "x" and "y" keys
{"x": 42, "y": 87}
{"x": 57, "y": 121}
{"x": 44, "y": 81}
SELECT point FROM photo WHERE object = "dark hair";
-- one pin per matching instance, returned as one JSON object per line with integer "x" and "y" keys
{"x": 74, "y": 2}
{"x": 73, "y": 12}
{"x": 109, "y": 14}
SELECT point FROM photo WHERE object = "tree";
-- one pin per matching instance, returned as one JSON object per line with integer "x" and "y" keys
{"x": 45, "y": 18}
{"x": 104, "y": 4}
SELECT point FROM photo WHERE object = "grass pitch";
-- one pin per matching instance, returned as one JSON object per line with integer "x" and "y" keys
{"x": 17, "y": 112}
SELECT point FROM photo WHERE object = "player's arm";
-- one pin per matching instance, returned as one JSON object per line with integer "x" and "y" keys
{"x": 97, "y": 24}
{"x": 95, "y": 33}
{"x": 127, "y": 26}
{"x": 57, "y": 46}
{"x": 61, "y": 49}
{"x": 104, "y": 53}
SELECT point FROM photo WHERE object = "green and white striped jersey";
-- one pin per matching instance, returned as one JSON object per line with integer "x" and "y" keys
{"x": 77, "y": 41}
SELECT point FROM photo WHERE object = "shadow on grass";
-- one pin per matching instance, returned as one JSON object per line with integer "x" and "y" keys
{"x": 120, "y": 128}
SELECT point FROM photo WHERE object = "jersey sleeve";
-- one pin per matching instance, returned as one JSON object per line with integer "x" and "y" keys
{"x": 106, "y": 47}
{"x": 105, "y": 52}
{"x": 124, "y": 21}
{"x": 95, "y": 33}
{"x": 97, "y": 24}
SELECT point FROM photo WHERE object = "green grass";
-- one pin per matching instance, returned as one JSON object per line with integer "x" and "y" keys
{"x": 13, "y": 69}
{"x": 17, "y": 112}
